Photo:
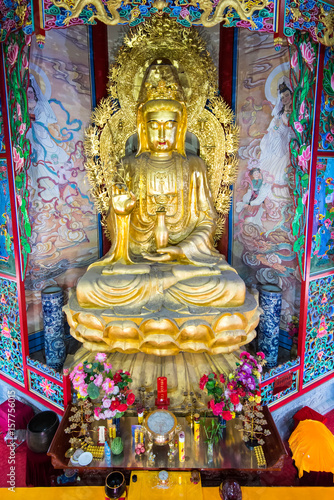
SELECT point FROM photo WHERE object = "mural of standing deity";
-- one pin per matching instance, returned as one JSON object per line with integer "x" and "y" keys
{"x": 263, "y": 204}
{"x": 63, "y": 217}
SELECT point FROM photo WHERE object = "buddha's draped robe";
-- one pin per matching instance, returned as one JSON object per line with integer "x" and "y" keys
{"x": 201, "y": 279}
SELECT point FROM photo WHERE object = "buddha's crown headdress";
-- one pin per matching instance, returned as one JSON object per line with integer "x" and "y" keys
{"x": 161, "y": 81}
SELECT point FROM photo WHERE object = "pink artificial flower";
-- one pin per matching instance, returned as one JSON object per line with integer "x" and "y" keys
{"x": 304, "y": 158}
{"x": 101, "y": 357}
{"x": 98, "y": 380}
{"x": 109, "y": 414}
{"x": 211, "y": 404}
{"x": 261, "y": 354}
{"x": 238, "y": 408}
{"x": 83, "y": 390}
{"x": 203, "y": 381}
{"x": 294, "y": 60}
{"x": 91, "y": 378}
{"x": 244, "y": 354}
{"x": 106, "y": 403}
{"x": 12, "y": 53}
{"x": 222, "y": 378}
{"x": 79, "y": 367}
{"x": 218, "y": 408}
{"x": 107, "y": 367}
{"x": 78, "y": 379}
{"x": 299, "y": 127}
{"x": 108, "y": 385}
{"x": 19, "y": 162}
{"x": 307, "y": 53}
{"x": 97, "y": 413}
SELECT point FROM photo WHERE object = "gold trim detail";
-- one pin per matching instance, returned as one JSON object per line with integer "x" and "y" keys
{"x": 107, "y": 11}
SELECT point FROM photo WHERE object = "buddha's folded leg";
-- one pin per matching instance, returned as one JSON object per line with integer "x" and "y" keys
{"x": 95, "y": 289}
{"x": 224, "y": 290}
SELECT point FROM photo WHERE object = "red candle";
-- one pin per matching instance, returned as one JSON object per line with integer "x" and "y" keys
{"x": 162, "y": 388}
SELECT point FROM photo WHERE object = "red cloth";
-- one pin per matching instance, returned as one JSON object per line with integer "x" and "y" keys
{"x": 19, "y": 413}
{"x": 307, "y": 413}
{"x": 38, "y": 469}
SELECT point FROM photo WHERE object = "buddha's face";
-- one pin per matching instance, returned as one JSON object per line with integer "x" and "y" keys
{"x": 161, "y": 130}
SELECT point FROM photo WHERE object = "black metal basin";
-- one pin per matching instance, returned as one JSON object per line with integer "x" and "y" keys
{"x": 40, "y": 431}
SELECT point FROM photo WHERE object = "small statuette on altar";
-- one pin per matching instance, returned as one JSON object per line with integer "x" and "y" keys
{"x": 102, "y": 434}
{"x": 182, "y": 456}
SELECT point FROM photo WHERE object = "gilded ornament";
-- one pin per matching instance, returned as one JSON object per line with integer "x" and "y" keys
{"x": 108, "y": 11}
{"x": 327, "y": 19}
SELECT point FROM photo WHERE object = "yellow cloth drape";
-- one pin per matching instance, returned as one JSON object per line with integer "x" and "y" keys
{"x": 312, "y": 446}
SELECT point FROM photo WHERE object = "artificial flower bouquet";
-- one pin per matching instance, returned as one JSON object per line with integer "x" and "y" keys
{"x": 246, "y": 378}
{"x": 231, "y": 392}
{"x": 96, "y": 381}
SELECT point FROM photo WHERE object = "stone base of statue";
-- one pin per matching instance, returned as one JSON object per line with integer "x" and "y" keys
{"x": 163, "y": 333}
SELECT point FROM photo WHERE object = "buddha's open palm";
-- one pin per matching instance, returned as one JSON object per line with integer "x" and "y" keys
{"x": 123, "y": 201}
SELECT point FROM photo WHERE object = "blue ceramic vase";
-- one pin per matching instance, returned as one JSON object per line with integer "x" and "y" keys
{"x": 53, "y": 318}
{"x": 270, "y": 300}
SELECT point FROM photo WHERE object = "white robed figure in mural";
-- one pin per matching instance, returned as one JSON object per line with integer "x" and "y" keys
{"x": 268, "y": 179}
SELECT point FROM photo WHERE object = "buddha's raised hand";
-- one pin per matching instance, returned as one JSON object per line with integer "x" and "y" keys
{"x": 123, "y": 200}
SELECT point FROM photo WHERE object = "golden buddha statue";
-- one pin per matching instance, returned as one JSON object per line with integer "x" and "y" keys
{"x": 162, "y": 287}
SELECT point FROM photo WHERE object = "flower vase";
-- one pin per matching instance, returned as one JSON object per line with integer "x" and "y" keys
{"x": 222, "y": 421}
{"x": 117, "y": 422}
{"x": 210, "y": 451}
{"x": 270, "y": 301}
{"x": 53, "y": 318}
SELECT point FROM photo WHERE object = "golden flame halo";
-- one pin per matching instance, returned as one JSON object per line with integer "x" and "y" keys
{"x": 209, "y": 118}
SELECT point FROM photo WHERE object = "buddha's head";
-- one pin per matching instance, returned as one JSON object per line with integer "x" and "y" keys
{"x": 161, "y": 117}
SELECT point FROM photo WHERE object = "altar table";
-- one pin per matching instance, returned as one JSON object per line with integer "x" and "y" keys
{"x": 97, "y": 493}
{"x": 230, "y": 454}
